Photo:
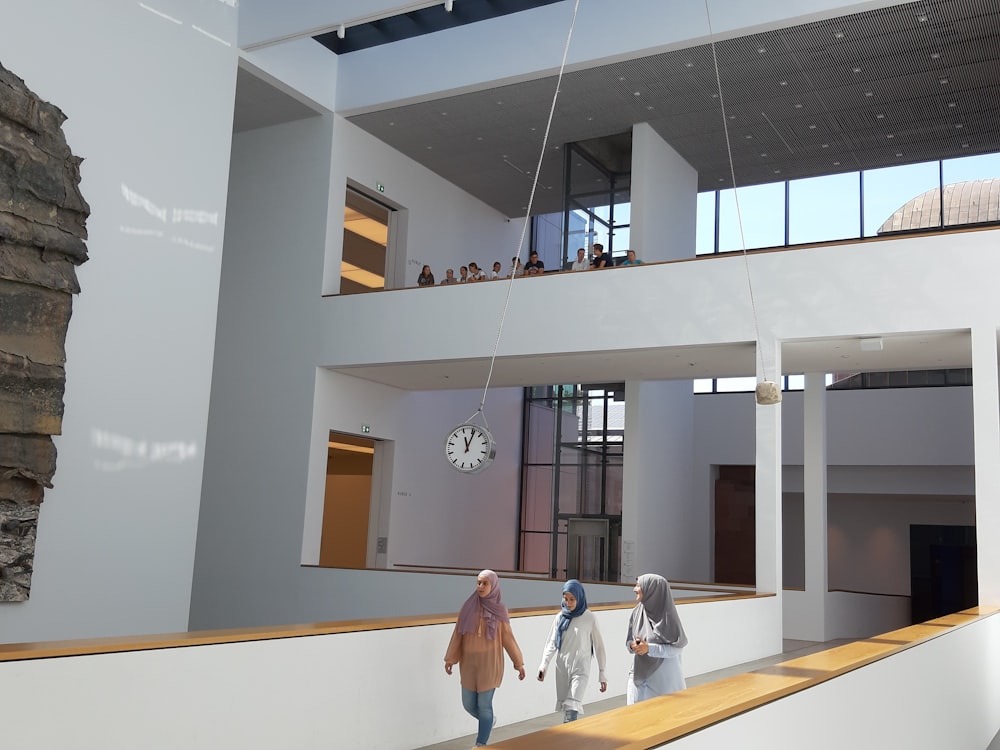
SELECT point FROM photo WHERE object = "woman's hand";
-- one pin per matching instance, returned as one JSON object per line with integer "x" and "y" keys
{"x": 640, "y": 647}
{"x": 447, "y": 667}
{"x": 604, "y": 685}
{"x": 520, "y": 672}
{"x": 541, "y": 675}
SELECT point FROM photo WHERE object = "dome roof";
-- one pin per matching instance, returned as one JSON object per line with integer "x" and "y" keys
{"x": 964, "y": 203}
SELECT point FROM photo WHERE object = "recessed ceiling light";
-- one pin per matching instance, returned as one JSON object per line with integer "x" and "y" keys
{"x": 689, "y": 64}
{"x": 812, "y": 127}
{"x": 533, "y": 129}
{"x": 444, "y": 114}
{"x": 899, "y": 155}
{"x": 836, "y": 164}
{"x": 777, "y": 171}
{"x": 965, "y": 145}
{"x": 637, "y": 93}
{"x": 782, "y": 83}
{"x": 748, "y": 137}
{"x": 826, "y": 145}
{"x": 879, "y": 116}
{"x": 732, "y": 117}
{"x": 942, "y": 81}
{"x": 429, "y": 148}
{"x": 649, "y": 106}
{"x": 721, "y": 179}
{"x": 391, "y": 124}
{"x": 838, "y": 35}
{"x": 922, "y": 18}
{"x": 890, "y": 135}
{"x": 952, "y": 105}
{"x": 621, "y": 78}
{"x": 715, "y": 96}
{"x": 798, "y": 106}
{"x": 958, "y": 126}
{"x": 857, "y": 70}
{"x": 935, "y": 55}
{"x": 479, "y": 138}
{"x": 762, "y": 50}
{"x": 763, "y": 155}
{"x": 590, "y": 119}
{"x": 869, "y": 93}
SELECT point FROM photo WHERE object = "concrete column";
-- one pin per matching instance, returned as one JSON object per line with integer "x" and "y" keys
{"x": 661, "y": 530}
{"x": 768, "y": 475}
{"x": 664, "y": 199}
{"x": 815, "y": 504}
{"x": 986, "y": 432}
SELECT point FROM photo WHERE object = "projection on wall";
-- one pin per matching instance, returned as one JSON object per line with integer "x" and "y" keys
{"x": 42, "y": 241}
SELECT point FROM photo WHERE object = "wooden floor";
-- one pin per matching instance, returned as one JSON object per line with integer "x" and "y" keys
{"x": 792, "y": 649}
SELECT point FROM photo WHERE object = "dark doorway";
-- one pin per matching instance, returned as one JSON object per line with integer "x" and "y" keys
{"x": 943, "y": 574}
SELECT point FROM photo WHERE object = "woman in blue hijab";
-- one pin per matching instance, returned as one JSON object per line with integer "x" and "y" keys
{"x": 574, "y": 640}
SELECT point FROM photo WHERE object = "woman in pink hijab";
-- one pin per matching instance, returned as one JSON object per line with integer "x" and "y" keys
{"x": 481, "y": 635}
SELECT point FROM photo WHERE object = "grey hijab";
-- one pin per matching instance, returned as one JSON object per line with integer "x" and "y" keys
{"x": 655, "y": 620}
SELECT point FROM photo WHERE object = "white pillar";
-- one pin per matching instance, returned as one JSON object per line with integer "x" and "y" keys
{"x": 815, "y": 505}
{"x": 986, "y": 432}
{"x": 768, "y": 475}
{"x": 663, "y": 223}
{"x": 662, "y": 532}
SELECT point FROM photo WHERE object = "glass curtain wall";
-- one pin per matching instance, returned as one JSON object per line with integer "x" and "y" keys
{"x": 597, "y": 207}
{"x": 572, "y": 469}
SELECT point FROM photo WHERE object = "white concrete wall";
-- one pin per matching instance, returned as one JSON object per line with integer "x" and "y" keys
{"x": 800, "y": 295}
{"x": 663, "y": 529}
{"x": 664, "y": 192}
{"x": 945, "y": 693}
{"x": 153, "y": 125}
{"x": 445, "y": 227}
{"x": 314, "y": 690}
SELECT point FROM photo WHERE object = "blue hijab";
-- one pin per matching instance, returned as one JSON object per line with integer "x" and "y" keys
{"x": 574, "y": 587}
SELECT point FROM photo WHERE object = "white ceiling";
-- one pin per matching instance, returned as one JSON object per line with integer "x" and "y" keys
{"x": 938, "y": 350}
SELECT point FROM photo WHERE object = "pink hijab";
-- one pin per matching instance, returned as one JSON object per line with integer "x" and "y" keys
{"x": 492, "y": 607}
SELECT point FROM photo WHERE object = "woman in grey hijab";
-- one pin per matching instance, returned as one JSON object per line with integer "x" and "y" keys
{"x": 656, "y": 637}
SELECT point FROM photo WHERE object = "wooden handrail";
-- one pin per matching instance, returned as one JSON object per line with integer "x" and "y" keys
{"x": 651, "y": 723}
{"x": 110, "y": 645}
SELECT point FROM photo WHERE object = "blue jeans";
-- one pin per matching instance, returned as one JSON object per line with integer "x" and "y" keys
{"x": 480, "y": 706}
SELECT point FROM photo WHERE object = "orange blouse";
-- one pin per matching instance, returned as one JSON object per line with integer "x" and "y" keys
{"x": 479, "y": 659}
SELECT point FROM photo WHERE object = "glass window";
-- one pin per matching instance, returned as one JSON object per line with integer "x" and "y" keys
{"x": 967, "y": 200}
{"x": 888, "y": 196}
{"x": 705, "y": 237}
{"x": 735, "y": 385}
{"x": 761, "y": 212}
{"x": 822, "y": 209}
{"x": 971, "y": 168}
{"x": 703, "y": 385}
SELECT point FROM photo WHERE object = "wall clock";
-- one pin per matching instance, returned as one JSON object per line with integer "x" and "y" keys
{"x": 470, "y": 448}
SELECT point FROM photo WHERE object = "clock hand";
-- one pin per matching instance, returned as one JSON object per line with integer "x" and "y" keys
{"x": 468, "y": 442}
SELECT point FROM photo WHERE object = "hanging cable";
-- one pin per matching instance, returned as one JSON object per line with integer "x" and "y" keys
{"x": 768, "y": 394}
{"x": 527, "y": 217}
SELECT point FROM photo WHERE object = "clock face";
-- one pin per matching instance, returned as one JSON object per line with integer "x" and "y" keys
{"x": 469, "y": 448}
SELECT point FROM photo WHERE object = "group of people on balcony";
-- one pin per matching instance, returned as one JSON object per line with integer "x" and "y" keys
{"x": 533, "y": 267}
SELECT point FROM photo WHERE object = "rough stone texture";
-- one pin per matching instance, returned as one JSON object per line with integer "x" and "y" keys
{"x": 42, "y": 240}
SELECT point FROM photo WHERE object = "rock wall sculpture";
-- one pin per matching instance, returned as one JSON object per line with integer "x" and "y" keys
{"x": 42, "y": 240}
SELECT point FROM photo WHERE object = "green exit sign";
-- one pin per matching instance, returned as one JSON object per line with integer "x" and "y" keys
{"x": 366, "y": 428}
{"x": 380, "y": 187}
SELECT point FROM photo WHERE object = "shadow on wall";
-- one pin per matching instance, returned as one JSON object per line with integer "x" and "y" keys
{"x": 42, "y": 241}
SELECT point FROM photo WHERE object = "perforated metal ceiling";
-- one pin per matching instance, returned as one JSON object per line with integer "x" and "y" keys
{"x": 898, "y": 85}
